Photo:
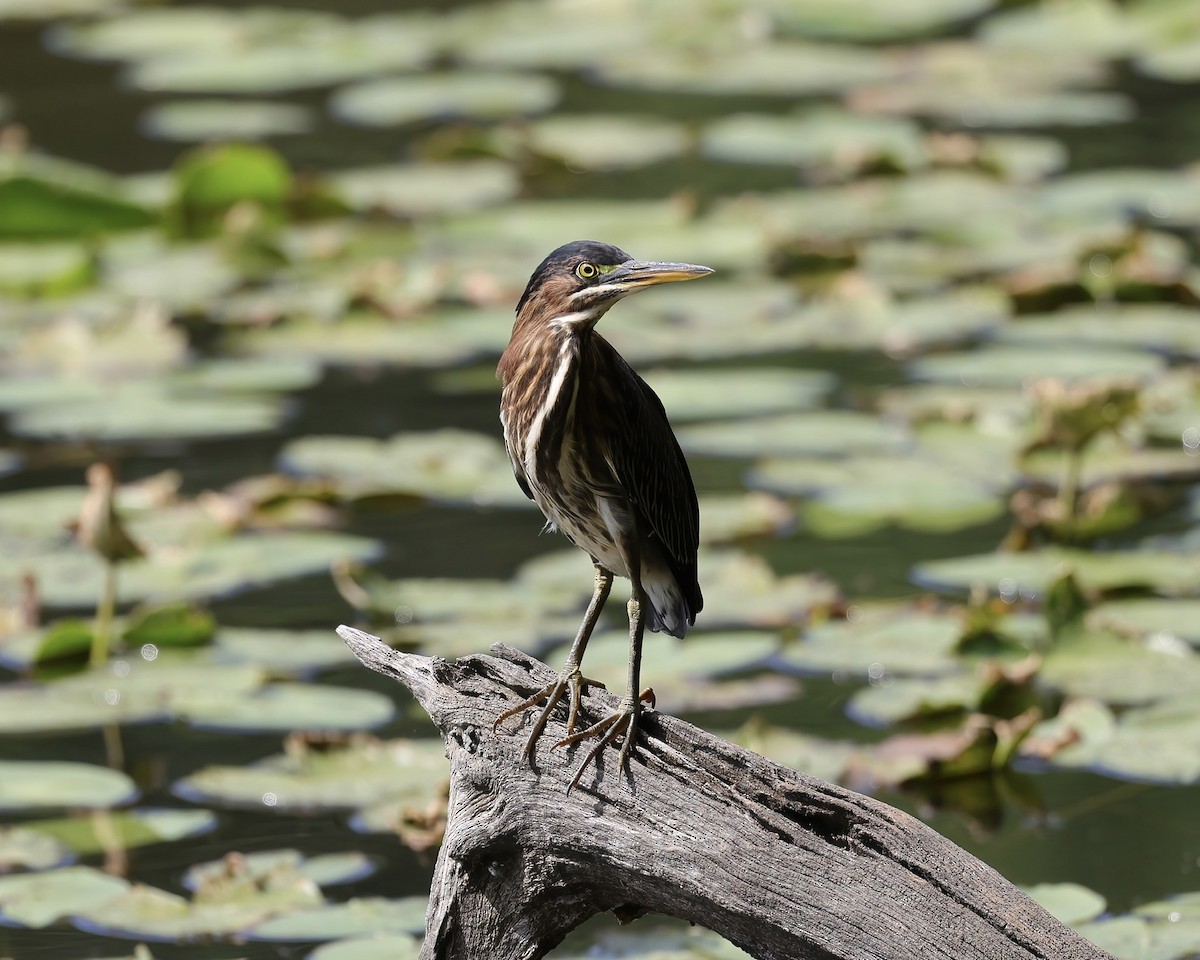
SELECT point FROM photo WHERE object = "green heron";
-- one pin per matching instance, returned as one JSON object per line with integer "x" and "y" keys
{"x": 591, "y": 445}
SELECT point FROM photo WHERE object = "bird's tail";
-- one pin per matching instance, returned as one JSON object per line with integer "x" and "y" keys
{"x": 669, "y": 610}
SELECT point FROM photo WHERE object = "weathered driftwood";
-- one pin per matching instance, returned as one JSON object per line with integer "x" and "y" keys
{"x": 782, "y": 864}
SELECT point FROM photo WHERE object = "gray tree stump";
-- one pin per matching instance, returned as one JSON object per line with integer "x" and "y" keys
{"x": 782, "y": 864}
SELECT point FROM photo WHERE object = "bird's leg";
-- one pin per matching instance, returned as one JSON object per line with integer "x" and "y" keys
{"x": 570, "y": 678}
{"x": 625, "y": 719}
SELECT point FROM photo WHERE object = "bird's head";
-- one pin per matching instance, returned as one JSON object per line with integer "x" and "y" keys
{"x": 578, "y": 282}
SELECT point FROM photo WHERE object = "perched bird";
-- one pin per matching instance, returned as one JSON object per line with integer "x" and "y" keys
{"x": 591, "y": 445}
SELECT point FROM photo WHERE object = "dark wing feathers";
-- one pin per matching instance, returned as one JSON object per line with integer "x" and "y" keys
{"x": 652, "y": 471}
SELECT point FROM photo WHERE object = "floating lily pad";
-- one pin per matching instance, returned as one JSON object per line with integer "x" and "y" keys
{"x": 448, "y": 465}
{"x": 735, "y": 516}
{"x": 1004, "y": 366}
{"x": 352, "y": 919}
{"x": 286, "y": 652}
{"x": 1109, "y": 668}
{"x": 826, "y": 759}
{"x": 823, "y": 433}
{"x": 361, "y": 773}
{"x": 383, "y": 947}
{"x": 296, "y": 706}
{"x": 386, "y": 103}
{"x": 1070, "y": 903}
{"x": 127, "y": 829}
{"x": 884, "y": 638}
{"x": 1031, "y": 573}
{"x": 718, "y": 394}
{"x": 24, "y": 849}
{"x": 191, "y": 121}
{"x": 425, "y": 189}
{"x": 328, "y": 869}
{"x": 889, "y": 701}
{"x": 1161, "y": 327}
{"x": 1147, "y": 618}
{"x": 43, "y": 270}
{"x": 741, "y": 589}
{"x": 145, "y": 912}
{"x": 826, "y": 139}
{"x": 41, "y": 899}
{"x": 604, "y": 142}
{"x": 36, "y": 784}
{"x": 867, "y": 20}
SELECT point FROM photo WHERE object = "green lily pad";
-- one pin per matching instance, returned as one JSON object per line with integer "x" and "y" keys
{"x": 177, "y": 625}
{"x": 1145, "y": 618}
{"x": 1160, "y": 327}
{"x": 1156, "y": 744}
{"x": 825, "y": 139}
{"x": 147, "y": 912}
{"x": 191, "y": 121}
{"x": 1109, "y": 668}
{"x": 822, "y": 433}
{"x": 1069, "y": 903}
{"x": 43, "y": 270}
{"x": 352, "y": 919}
{"x": 867, "y": 20}
{"x": 889, "y": 701}
{"x": 187, "y": 278}
{"x": 448, "y": 465}
{"x": 387, "y": 103}
{"x": 127, "y": 829}
{"x": 1031, "y": 573}
{"x": 36, "y": 784}
{"x": 295, "y": 706}
{"x": 826, "y": 759}
{"x": 883, "y": 639}
{"x": 426, "y": 189}
{"x": 726, "y": 393}
{"x": 383, "y": 947}
{"x": 741, "y": 590}
{"x": 329, "y": 869}
{"x": 44, "y": 198}
{"x": 1005, "y": 366}
{"x": 607, "y": 142}
{"x": 360, "y": 773}
{"x": 740, "y": 515}
{"x": 41, "y": 899}
{"x": 283, "y": 652}
{"x": 24, "y": 849}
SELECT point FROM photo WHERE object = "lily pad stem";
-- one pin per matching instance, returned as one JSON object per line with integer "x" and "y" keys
{"x": 104, "y": 615}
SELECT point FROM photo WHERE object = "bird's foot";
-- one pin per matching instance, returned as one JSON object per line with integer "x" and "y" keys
{"x": 569, "y": 680}
{"x": 622, "y": 722}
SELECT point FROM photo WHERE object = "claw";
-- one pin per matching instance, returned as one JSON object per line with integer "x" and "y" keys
{"x": 624, "y": 721}
{"x": 552, "y": 693}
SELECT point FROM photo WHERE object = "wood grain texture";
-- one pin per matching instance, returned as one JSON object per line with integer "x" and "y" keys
{"x": 784, "y": 865}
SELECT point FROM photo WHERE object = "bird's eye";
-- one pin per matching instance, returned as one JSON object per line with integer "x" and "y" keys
{"x": 585, "y": 271}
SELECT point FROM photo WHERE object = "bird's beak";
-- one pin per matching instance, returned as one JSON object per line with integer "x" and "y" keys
{"x": 635, "y": 274}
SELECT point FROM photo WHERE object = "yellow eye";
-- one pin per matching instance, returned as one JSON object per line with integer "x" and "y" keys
{"x": 585, "y": 271}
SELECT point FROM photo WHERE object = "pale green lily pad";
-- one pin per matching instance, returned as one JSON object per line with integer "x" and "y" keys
{"x": 387, "y": 103}
{"x": 882, "y": 639}
{"x": 1158, "y": 195}
{"x": 383, "y": 947}
{"x": 741, "y": 590}
{"x": 726, "y": 393}
{"x": 475, "y": 634}
{"x": 1093, "y": 27}
{"x": 362, "y": 773}
{"x": 1162, "y": 327}
{"x": 127, "y": 829}
{"x": 874, "y": 20}
{"x": 1069, "y": 903}
{"x": 1149, "y": 618}
{"x": 826, "y": 139}
{"x": 51, "y": 9}
{"x": 329, "y": 869}
{"x": 607, "y": 142}
{"x": 181, "y": 277}
{"x": 72, "y": 577}
{"x": 863, "y": 494}
{"x": 296, "y": 706}
{"x": 655, "y": 939}
{"x": 1111, "y": 459}
{"x": 1157, "y": 744}
{"x": 739, "y": 515}
{"x": 147, "y": 912}
{"x": 1117, "y": 671}
{"x": 426, "y": 189}
{"x": 44, "y": 270}
{"x": 782, "y": 69}
{"x": 448, "y": 465}
{"x": 35, "y": 784}
{"x": 192, "y": 121}
{"x": 1023, "y": 159}
{"x": 888, "y": 701}
{"x": 1171, "y": 574}
{"x": 1006, "y": 366}
{"x": 352, "y": 919}
{"x": 41, "y": 899}
{"x": 1138, "y": 937}
{"x": 433, "y": 599}
{"x": 285, "y": 652}
{"x": 24, "y": 849}
{"x": 823, "y": 433}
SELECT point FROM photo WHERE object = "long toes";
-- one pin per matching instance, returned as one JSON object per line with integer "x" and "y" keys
{"x": 595, "y": 730}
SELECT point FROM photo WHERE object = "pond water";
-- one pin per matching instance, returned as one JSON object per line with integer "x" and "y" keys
{"x": 1134, "y": 839}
